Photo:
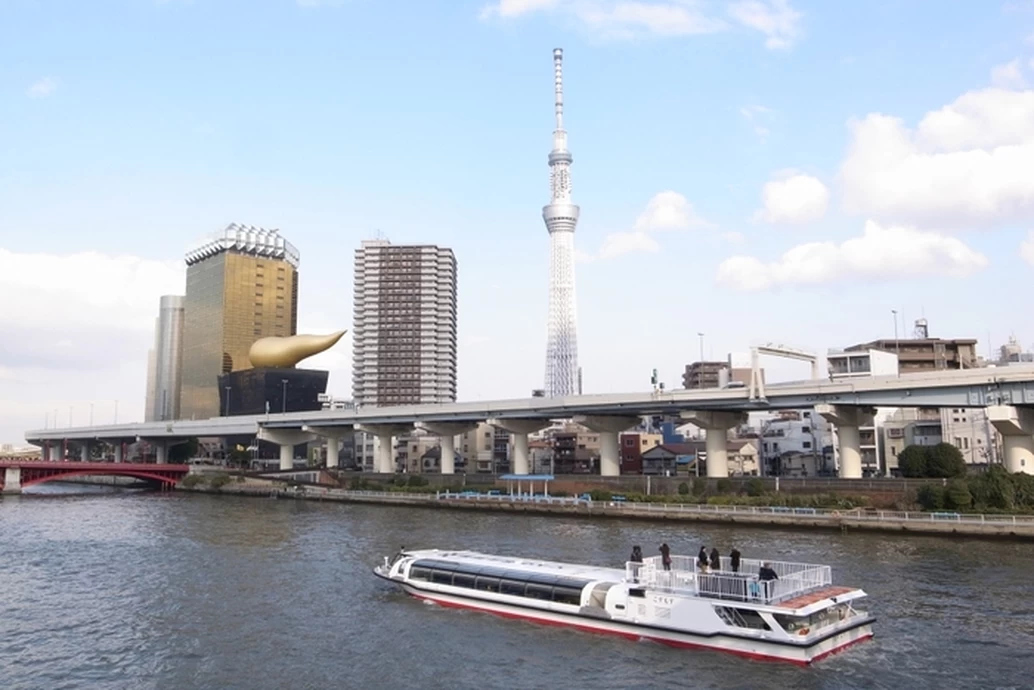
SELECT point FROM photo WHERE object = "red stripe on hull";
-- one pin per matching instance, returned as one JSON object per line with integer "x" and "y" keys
{"x": 636, "y": 636}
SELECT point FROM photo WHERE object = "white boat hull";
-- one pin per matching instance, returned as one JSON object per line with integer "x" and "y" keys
{"x": 755, "y": 649}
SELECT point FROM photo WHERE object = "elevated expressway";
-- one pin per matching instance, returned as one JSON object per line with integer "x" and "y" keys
{"x": 849, "y": 403}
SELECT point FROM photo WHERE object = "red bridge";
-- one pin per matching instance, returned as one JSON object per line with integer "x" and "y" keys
{"x": 15, "y": 475}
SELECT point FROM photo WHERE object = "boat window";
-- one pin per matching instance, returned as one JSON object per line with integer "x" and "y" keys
{"x": 536, "y": 591}
{"x": 441, "y": 577}
{"x": 742, "y": 618}
{"x": 463, "y": 580}
{"x": 487, "y": 584}
{"x": 418, "y": 573}
{"x": 567, "y": 595}
{"x": 511, "y": 587}
{"x": 637, "y": 593}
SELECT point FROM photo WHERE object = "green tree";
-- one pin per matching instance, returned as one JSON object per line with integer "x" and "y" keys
{"x": 958, "y": 495}
{"x": 912, "y": 461}
{"x": 755, "y": 487}
{"x": 683, "y": 489}
{"x": 945, "y": 460}
{"x": 724, "y": 485}
{"x": 931, "y": 497}
{"x": 181, "y": 452}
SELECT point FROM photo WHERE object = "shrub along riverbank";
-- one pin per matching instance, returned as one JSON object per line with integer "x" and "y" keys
{"x": 994, "y": 491}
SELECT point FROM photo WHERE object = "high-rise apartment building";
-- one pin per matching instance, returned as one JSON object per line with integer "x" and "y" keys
{"x": 404, "y": 331}
{"x": 241, "y": 286}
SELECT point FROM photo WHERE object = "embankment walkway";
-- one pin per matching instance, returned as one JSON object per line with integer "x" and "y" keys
{"x": 941, "y": 523}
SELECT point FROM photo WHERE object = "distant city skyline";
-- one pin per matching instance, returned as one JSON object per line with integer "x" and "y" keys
{"x": 783, "y": 171}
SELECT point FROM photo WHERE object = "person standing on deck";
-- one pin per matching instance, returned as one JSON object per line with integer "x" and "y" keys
{"x": 637, "y": 562}
{"x": 702, "y": 559}
{"x": 716, "y": 560}
{"x": 666, "y": 556}
{"x": 734, "y": 560}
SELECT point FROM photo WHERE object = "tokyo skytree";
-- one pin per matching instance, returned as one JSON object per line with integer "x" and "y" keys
{"x": 561, "y": 216}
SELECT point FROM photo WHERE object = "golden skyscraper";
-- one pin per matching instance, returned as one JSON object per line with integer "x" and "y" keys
{"x": 241, "y": 286}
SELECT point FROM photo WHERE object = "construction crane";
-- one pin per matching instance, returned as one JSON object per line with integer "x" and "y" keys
{"x": 757, "y": 381}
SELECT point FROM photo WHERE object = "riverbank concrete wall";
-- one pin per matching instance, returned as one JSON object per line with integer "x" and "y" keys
{"x": 938, "y": 524}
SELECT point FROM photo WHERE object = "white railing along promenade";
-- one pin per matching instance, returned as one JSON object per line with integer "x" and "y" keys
{"x": 793, "y": 579}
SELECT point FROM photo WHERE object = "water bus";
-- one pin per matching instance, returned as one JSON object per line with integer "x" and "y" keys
{"x": 798, "y": 617}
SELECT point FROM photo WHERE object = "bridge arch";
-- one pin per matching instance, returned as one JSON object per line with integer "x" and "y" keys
{"x": 137, "y": 474}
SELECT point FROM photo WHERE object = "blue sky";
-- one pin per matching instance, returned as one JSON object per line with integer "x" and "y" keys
{"x": 131, "y": 129}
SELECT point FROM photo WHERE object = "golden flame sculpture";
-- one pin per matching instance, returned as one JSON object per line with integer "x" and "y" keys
{"x": 284, "y": 353}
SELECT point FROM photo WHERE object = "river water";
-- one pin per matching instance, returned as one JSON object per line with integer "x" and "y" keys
{"x": 107, "y": 589}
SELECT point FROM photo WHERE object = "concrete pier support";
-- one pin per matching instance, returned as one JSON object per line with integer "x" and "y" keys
{"x": 84, "y": 452}
{"x": 384, "y": 448}
{"x": 118, "y": 452}
{"x": 48, "y": 452}
{"x": 161, "y": 452}
{"x": 608, "y": 428}
{"x": 1016, "y": 425}
{"x": 520, "y": 428}
{"x": 287, "y": 439}
{"x": 447, "y": 434}
{"x": 848, "y": 420}
{"x": 716, "y": 425}
{"x": 333, "y": 435}
{"x": 13, "y": 480}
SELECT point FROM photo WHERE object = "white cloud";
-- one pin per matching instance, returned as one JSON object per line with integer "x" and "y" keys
{"x": 967, "y": 163}
{"x": 881, "y": 252}
{"x": 779, "y": 22}
{"x": 668, "y": 211}
{"x": 627, "y": 19}
{"x": 43, "y": 88}
{"x": 733, "y": 237}
{"x": 665, "y": 211}
{"x": 793, "y": 197}
{"x": 1027, "y": 248}
{"x": 1008, "y": 75}
{"x": 76, "y": 331}
{"x": 756, "y": 115}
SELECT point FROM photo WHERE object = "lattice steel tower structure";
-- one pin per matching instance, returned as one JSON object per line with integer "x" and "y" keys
{"x": 561, "y": 216}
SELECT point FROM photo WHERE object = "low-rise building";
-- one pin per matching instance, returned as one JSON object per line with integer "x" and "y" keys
{"x": 632, "y": 446}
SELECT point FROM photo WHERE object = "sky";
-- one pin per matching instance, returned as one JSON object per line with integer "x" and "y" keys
{"x": 758, "y": 171}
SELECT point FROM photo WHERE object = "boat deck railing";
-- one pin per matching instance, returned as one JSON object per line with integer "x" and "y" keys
{"x": 685, "y": 577}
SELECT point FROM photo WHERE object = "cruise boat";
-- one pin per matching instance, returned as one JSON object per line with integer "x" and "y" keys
{"x": 799, "y": 617}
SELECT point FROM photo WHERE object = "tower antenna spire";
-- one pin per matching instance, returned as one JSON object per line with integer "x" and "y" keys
{"x": 558, "y": 78}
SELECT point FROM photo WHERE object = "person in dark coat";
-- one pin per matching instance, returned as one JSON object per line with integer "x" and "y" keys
{"x": 666, "y": 556}
{"x": 767, "y": 575}
{"x": 716, "y": 560}
{"x": 734, "y": 560}
{"x": 702, "y": 559}
{"x": 636, "y": 559}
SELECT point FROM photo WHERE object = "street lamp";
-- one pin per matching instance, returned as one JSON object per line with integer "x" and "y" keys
{"x": 283, "y": 398}
{"x": 701, "y": 335}
{"x": 897, "y": 343}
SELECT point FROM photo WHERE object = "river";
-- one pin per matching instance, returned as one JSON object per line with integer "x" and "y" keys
{"x": 115, "y": 589}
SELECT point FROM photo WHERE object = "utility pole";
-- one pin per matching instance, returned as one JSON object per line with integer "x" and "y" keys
{"x": 701, "y": 335}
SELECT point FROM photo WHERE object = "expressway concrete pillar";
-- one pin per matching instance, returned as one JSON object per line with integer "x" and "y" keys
{"x": 118, "y": 452}
{"x": 333, "y": 435}
{"x": 287, "y": 439}
{"x": 161, "y": 452}
{"x": 384, "y": 448}
{"x": 48, "y": 452}
{"x": 520, "y": 428}
{"x": 447, "y": 433}
{"x": 608, "y": 427}
{"x": 13, "y": 480}
{"x": 848, "y": 420}
{"x": 1016, "y": 425}
{"x": 84, "y": 452}
{"x": 716, "y": 425}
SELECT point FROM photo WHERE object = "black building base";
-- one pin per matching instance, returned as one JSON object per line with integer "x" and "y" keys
{"x": 258, "y": 391}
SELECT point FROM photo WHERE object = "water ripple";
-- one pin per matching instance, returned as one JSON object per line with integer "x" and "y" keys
{"x": 116, "y": 590}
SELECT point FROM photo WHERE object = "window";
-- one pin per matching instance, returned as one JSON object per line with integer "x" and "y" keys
{"x": 487, "y": 584}
{"x": 441, "y": 577}
{"x": 417, "y": 573}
